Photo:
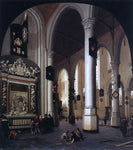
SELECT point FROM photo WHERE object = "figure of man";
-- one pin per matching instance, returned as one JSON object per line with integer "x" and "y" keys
{"x": 123, "y": 127}
{"x": 36, "y": 122}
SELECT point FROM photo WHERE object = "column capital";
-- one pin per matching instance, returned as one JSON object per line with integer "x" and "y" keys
{"x": 89, "y": 23}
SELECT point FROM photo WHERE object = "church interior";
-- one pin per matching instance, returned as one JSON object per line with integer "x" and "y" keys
{"x": 69, "y": 60}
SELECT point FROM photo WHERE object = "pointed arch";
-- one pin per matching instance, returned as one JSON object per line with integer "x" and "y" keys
{"x": 64, "y": 6}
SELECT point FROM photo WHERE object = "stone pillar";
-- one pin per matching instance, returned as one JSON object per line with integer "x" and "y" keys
{"x": 45, "y": 99}
{"x": 115, "y": 115}
{"x": 90, "y": 117}
{"x": 50, "y": 85}
{"x": 71, "y": 101}
{"x": 42, "y": 82}
{"x": 126, "y": 102}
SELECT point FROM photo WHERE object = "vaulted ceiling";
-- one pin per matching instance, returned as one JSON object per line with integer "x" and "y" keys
{"x": 69, "y": 33}
{"x": 121, "y": 9}
{"x": 47, "y": 10}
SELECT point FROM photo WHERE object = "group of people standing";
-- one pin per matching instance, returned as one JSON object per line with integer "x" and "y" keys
{"x": 42, "y": 124}
{"x": 74, "y": 137}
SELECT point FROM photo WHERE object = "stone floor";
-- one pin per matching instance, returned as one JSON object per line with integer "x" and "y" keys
{"x": 108, "y": 138}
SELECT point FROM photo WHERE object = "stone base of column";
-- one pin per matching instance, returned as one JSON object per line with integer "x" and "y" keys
{"x": 115, "y": 119}
{"x": 90, "y": 120}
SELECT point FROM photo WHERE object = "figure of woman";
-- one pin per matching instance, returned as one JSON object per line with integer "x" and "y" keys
{"x": 65, "y": 137}
{"x": 79, "y": 134}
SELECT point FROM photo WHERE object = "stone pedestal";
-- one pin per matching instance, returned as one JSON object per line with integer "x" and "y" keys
{"x": 90, "y": 120}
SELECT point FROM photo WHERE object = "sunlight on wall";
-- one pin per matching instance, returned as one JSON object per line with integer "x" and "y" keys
{"x": 103, "y": 67}
{"x": 76, "y": 81}
{"x": 103, "y": 80}
{"x": 79, "y": 84}
{"x": 98, "y": 71}
{"x": 120, "y": 96}
{"x": 63, "y": 86}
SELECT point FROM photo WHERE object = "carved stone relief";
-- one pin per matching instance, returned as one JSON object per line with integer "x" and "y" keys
{"x": 19, "y": 68}
{"x": 18, "y": 103}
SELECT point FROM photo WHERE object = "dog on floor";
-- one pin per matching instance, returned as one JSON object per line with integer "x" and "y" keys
{"x": 13, "y": 134}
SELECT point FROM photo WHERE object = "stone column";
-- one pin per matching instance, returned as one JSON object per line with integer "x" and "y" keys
{"x": 115, "y": 115}
{"x": 50, "y": 85}
{"x": 45, "y": 99}
{"x": 126, "y": 102}
{"x": 71, "y": 100}
{"x": 90, "y": 116}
